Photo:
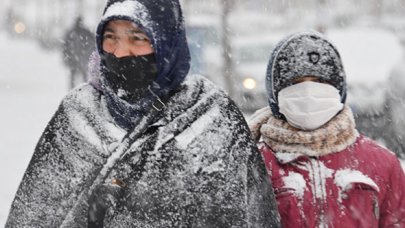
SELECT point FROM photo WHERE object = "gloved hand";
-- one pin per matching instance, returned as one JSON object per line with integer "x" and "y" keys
{"x": 103, "y": 197}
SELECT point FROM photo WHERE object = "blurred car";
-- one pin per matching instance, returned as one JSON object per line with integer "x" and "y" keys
{"x": 250, "y": 48}
{"x": 204, "y": 39}
{"x": 251, "y": 56}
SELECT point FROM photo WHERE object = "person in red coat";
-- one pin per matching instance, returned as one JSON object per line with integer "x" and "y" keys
{"x": 324, "y": 173}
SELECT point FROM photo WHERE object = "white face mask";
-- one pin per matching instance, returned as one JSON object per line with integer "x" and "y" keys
{"x": 309, "y": 105}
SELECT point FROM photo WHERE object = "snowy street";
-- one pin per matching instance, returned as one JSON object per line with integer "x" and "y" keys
{"x": 32, "y": 83}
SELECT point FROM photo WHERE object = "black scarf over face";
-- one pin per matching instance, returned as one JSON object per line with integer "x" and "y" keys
{"x": 130, "y": 76}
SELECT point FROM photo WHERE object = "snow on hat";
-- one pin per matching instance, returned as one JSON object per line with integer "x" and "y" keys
{"x": 303, "y": 54}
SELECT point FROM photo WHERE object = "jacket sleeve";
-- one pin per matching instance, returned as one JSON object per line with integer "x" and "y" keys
{"x": 393, "y": 208}
{"x": 262, "y": 205}
{"x": 33, "y": 198}
{"x": 53, "y": 178}
{"x": 236, "y": 191}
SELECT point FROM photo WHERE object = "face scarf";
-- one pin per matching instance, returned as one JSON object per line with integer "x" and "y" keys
{"x": 309, "y": 105}
{"x": 130, "y": 76}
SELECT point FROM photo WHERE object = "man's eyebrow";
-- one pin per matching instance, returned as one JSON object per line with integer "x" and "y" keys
{"x": 108, "y": 30}
{"x": 129, "y": 31}
{"x": 135, "y": 30}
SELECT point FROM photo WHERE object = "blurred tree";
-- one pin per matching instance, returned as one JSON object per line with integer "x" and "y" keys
{"x": 79, "y": 8}
{"x": 376, "y": 9}
{"x": 322, "y": 16}
{"x": 227, "y": 69}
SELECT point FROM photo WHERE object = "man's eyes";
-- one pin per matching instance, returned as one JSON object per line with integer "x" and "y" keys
{"x": 131, "y": 37}
{"x": 109, "y": 36}
{"x": 139, "y": 38}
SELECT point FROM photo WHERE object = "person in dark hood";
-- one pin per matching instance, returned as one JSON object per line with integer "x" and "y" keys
{"x": 324, "y": 173}
{"x": 143, "y": 144}
{"x": 78, "y": 45}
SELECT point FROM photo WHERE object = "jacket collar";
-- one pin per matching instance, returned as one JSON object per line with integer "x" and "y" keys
{"x": 290, "y": 143}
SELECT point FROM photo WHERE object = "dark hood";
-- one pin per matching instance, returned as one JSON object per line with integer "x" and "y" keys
{"x": 163, "y": 22}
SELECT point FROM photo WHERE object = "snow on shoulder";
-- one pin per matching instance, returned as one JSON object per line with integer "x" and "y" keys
{"x": 297, "y": 182}
{"x": 346, "y": 178}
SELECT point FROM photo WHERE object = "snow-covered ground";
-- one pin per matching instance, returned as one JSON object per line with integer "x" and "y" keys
{"x": 32, "y": 83}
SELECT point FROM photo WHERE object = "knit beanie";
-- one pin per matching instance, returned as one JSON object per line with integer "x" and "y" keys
{"x": 303, "y": 54}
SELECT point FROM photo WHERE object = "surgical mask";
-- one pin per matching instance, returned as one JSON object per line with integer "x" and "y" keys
{"x": 130, "y": 76}
{"x": 309, "y": 105}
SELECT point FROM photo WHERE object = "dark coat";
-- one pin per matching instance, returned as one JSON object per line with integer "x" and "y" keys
{"x": 195, "y": 166}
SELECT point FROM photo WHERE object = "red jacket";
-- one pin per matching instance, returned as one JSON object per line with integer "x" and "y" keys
{"x": 361, "y": 186}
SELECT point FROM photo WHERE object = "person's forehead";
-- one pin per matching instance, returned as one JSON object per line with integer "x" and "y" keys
{"x": 306, "y": 78}
{"x": 119, "y": 25}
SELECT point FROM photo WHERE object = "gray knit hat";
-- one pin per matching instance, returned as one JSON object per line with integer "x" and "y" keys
{"x": 303, "y": 54}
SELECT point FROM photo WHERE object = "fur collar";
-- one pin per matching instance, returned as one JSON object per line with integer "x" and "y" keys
{"x": 282, "y": 138}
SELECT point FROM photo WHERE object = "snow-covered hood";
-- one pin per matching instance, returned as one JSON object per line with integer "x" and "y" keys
{"x": 163, "y": 23}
